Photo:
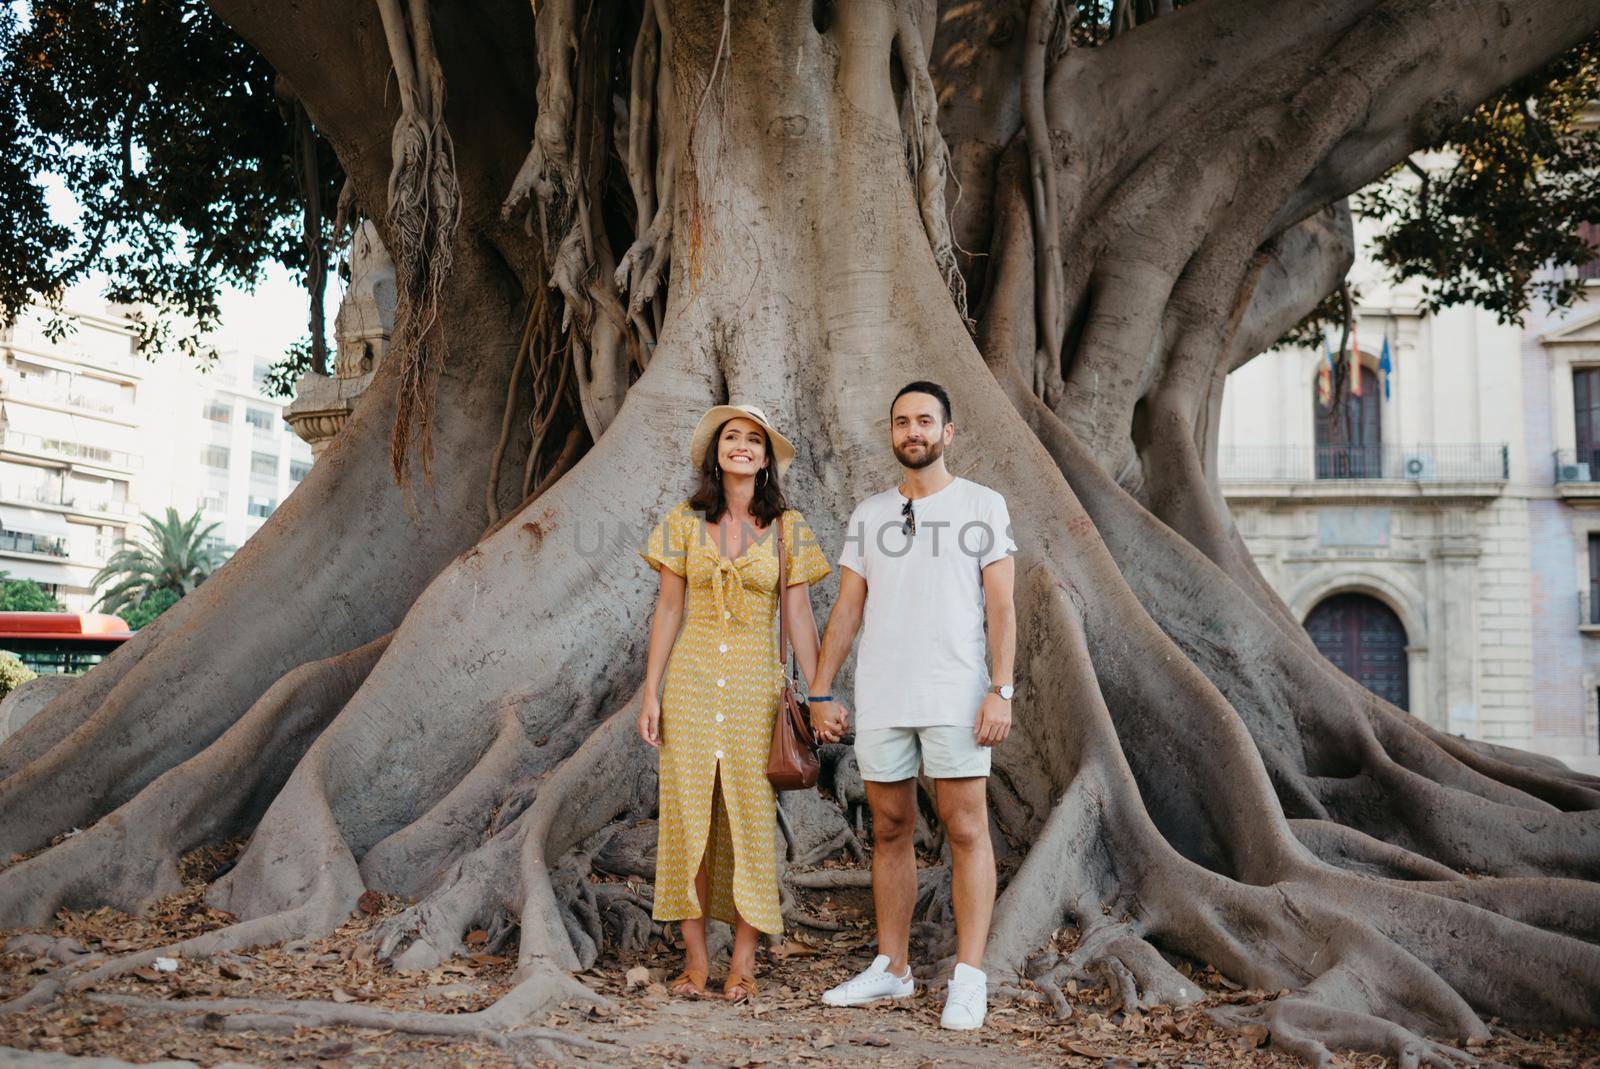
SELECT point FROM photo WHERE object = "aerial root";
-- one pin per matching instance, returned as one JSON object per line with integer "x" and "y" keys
{"x": 431, "y": 931}
{"x": 424, "y": 211}
{"x": 1308, "y": 1028}
{"x": 1115, "y": 956}
{"x": 928, "y": 155}
{"x": 625, "y": 909}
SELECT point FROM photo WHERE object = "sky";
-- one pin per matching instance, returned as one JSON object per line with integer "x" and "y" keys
{"x": 266, "y": 320}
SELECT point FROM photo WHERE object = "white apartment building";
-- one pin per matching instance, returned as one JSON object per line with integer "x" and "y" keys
{"x": 92, "y": 435}
{"x": 229, "y": 452}
{"x": 1441, "y": 540}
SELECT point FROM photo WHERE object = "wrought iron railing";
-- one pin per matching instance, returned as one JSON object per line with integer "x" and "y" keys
{"x": 1454, "y": 462}
{"x": 1577, "y": 465}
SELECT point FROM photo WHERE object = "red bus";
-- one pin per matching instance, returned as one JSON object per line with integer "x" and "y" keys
{"x": 61, "y": 642}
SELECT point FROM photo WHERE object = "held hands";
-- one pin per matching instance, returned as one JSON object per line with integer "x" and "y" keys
{"x": 994, "y": 720}
{"x": 828, "y": 721}
{"x": 650, "y": 720}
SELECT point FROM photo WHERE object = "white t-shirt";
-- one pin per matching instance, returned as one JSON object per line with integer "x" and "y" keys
{"x": 923, "y": 659}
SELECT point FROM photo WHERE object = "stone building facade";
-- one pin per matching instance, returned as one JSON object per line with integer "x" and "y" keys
{"x": 1441, "y": 543}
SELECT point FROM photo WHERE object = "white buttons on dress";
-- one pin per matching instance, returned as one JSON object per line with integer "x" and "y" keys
{"x": 726, "y": 615}
{"x": 719, "y": 755}
{"x": 722, "y": 682}
{"x": 720, "y": 718}
{"x": 723, "y": 648}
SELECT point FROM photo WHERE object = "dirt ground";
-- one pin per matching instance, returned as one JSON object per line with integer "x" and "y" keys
{"x": 150, "y": 1014}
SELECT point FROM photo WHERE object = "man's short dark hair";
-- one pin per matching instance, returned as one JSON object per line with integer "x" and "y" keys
{"x": 924, "y": 386}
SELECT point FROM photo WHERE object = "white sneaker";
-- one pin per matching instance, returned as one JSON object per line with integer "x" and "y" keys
{"x": 871, "y": 984}
{"x": 966, "y": 1003}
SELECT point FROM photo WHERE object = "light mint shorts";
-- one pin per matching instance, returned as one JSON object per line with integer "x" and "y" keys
{"x": 948, "y": 751}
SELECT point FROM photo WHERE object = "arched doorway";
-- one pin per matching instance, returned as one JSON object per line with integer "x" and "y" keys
{"x": 1367, "y": 641}
{"x": 1349, "y": 431}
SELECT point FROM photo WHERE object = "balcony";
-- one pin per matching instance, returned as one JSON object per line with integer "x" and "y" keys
{"x": 67, "y": 449}
{"x": 1588, "y": 611}
{"x": 24, "y": 542}
{"x": 46, "y": 494}
{"x": 14, "y": 386}
{"x": 1467, "y": 462}
{"x": 1464, "y": 469}
{"x": 1577, "y": 466}
{"x": 1577, "y": 473}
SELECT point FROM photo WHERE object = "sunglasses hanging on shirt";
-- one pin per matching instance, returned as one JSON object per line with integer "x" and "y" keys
{"x": 908, "y": 518}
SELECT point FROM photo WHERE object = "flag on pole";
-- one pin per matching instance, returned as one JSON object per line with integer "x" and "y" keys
{"x": 1385, "y": 366}
{"x": 1325, "y": 375}
{"x": 1355, "y": 360}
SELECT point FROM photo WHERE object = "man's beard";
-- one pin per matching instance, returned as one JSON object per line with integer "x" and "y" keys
{"x": 932, "y": 450}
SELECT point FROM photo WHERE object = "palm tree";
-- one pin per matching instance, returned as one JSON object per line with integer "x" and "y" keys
{"x": 170, "y": 554}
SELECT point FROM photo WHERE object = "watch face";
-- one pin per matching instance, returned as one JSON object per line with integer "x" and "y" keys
{"x": 1006, "y": 690}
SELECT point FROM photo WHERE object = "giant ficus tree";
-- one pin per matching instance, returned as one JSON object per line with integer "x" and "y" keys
{"x": 420, "y": 675}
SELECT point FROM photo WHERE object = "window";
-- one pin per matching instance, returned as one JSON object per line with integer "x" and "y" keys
{"x": 1586, "y": 416}
{"x": 1591, "y": 614}
{"x": 259, "y": 372}
{"x": 216, "y": 501}
{"x": 261, "y": 506}
{"x": 299, "y": 469}
{"x": 218, "y": 412}
{"x": 259, "y": 418}
{"x": 264, "y": 464}
{"x": 1590, "y": 232}
{"x": 1349, "y": 433}
{"x": 214, "y": 456}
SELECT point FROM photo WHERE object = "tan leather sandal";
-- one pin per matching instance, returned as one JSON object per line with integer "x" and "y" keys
{"x": 695, "y": 978}
{"x": 744, "y": 983}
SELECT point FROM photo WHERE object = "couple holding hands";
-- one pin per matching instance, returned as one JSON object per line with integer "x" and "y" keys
{"x": 926, "y": 577}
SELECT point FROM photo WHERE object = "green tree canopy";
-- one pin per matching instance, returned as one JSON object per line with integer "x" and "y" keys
{"x": 24, "y": 595}
{"x": 1521, "y": 172}
{"x": 147, "y": 609}
{"x": 164, "y": 127}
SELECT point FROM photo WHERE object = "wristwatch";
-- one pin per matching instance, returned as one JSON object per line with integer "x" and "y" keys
{"x": 1005, "y": 690}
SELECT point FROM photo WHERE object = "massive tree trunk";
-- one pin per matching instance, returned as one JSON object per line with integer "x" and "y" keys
{"x": 440, "y": 702}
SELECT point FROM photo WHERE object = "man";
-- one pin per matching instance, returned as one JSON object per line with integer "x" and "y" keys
{"x": 926, "y": 565}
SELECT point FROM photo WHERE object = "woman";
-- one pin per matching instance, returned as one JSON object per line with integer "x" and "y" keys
{"x": 717, "y": 555}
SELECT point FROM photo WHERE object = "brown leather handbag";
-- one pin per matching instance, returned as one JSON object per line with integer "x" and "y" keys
{"x": 792, "y": 764}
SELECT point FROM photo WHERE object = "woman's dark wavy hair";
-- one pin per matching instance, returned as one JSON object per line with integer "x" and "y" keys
{"x": 708, "y": 500}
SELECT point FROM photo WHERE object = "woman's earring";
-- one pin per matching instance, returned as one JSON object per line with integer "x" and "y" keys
{"x": 761, "y": 477}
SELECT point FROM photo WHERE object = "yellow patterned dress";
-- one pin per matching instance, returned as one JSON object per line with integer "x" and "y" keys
{"x": 718, "y": 700}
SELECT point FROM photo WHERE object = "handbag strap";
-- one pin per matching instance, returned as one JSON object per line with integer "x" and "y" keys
{"x": 785, "y": 654}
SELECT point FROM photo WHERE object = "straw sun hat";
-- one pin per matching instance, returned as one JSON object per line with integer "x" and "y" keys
{"x": 717, "y": 415}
